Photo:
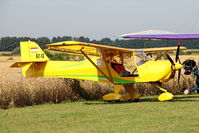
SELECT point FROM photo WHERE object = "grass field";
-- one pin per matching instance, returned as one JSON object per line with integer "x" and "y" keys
{"x": 147, "y": 116}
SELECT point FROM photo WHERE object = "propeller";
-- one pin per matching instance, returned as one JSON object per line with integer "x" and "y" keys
{"x": 169, "y": 58}
{"x": 179, "y": 73}
{"x": 176, "y": 60}
{"x": 177, "y": 53}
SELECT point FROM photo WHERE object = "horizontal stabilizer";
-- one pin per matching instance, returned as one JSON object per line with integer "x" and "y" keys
{"x": 22, "y": 63}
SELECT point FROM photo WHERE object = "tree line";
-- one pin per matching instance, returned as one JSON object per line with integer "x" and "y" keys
{"x": 11, "y": 43}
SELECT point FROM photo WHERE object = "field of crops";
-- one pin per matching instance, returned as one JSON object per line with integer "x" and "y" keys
{"x": 16, "y": 91}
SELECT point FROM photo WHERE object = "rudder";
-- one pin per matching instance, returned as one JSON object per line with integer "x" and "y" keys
{"x": 30, "y": 51}
{"x": 33, "y": 59}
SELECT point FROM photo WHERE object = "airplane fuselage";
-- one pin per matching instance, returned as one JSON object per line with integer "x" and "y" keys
{"x": 151, "y": 71}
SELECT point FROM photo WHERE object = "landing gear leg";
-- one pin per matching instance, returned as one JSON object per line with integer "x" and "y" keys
{"x": 114, "y": 96}
{"x": 132, "y": 94}
{"x": 166, "y": 96}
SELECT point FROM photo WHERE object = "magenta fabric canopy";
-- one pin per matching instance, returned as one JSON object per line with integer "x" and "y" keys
{"x": 164, "y": 36}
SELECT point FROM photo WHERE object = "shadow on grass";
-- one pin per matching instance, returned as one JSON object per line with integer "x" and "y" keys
{"x": 122, "y": 102}
{"x": 192, "y": 98}
{"x": 189, "y": 98}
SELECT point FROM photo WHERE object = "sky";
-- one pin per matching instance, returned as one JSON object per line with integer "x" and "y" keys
{"x": 96, "y": 19}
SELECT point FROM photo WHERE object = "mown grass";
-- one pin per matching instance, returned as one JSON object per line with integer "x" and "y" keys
{"x": 147, "y": 116}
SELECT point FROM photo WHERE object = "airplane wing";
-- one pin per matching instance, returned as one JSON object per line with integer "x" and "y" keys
{"x": 164, "y": 36}
{"x": 161, "y": 49}
{"x": 75, "y": 48}
{"x": 158, "y": 34}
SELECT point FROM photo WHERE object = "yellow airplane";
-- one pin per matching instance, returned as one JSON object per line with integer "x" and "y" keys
{"x": 101, "y": 63}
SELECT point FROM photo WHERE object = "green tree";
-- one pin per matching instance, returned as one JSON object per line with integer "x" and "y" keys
{"x": 42, "y": 41}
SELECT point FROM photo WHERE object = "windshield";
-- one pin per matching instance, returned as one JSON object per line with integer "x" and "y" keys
{"x": 141, "y": 58}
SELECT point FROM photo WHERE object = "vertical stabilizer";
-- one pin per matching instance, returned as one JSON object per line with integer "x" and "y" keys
{"x": 31, "y": 52}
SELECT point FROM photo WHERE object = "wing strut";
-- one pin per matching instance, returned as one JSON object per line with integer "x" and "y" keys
{"x": 161, "y": 55}
{"x": 103, "y": 56}
{"x": 110, "y": 79}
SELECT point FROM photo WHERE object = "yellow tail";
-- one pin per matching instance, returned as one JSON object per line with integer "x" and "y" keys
{"x": 33, "y": 59}
{"x": 31, "y": 52}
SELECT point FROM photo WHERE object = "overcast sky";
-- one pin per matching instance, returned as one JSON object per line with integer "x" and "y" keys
{"x": 96, "y": 19}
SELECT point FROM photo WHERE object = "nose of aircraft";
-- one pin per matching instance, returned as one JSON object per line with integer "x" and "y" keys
{"x": 177, "y": 66}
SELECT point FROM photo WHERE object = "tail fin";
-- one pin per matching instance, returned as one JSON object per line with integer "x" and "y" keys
{"x": 31, "y": 52}
{"x": 33, "y": 59}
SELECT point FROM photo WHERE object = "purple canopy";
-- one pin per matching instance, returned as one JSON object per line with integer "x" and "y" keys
{"x": 164, "y": 36}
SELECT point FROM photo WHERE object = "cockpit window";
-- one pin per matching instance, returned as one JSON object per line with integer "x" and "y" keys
{"x": 140, "y": 57}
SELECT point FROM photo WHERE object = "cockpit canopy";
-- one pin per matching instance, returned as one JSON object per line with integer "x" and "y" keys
{"x": 140, "y": 57}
